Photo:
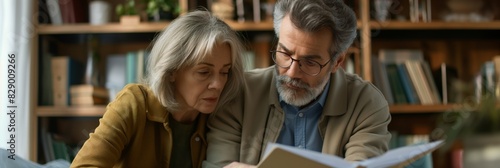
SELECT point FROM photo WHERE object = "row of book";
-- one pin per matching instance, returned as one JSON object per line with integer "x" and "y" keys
{"x": 55, "y": 148}
{"x": 404, "y": 77}
{"x": 420, "y": 11}
{"x": 125, "y": 68}
{"x": 67, "y": 74}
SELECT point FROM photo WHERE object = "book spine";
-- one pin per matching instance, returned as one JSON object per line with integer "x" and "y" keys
{"x": 395, "y": 83}
{"x": 408, "y": 87}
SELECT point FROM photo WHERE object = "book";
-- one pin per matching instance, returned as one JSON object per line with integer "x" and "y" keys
{"x": 65, "y": 72}
{"x": 409, "y": 89}
{"x": 423, "y": 81}
{"x": 277, "y": 155}
{"x": 436, "y": 98}
{"x": 256, "y": 11}
{"x": 88, "y": 95}
{"x": 396, "y": 84}
{"x": 418, "y": 83}
{"x": 88, "y": 90}
{"x": 444, "y": 83}
{"x": 54, "y": 12}
{"x": 381, "y": 80}
{"x": 74, "y": 11}
{"x": 88, "y": 100}
{"x": 131, "y": 67}
{"x": 115, "y": 74}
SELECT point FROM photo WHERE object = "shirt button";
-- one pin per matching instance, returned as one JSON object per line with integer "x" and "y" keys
{"x": 197, "y": 139}
{"x": 301, "y": 115}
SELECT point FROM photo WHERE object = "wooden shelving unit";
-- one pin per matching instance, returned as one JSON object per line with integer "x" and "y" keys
{"x": 365, "y": 27}
{"x": 47, "y": 114}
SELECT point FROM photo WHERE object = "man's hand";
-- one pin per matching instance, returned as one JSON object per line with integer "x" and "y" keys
{"x": 239, "y": 165}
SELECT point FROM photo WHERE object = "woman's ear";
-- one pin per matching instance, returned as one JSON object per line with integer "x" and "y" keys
{"x": 171, "y": 77}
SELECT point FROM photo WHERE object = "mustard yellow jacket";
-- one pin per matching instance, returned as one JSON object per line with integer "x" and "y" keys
{"x": 134, "y": 132}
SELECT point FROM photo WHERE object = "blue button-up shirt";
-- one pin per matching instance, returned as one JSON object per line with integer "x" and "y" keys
{"x": 300, "y": 128}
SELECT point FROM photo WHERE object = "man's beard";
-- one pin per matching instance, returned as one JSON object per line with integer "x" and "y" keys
{"x": 302, "y": 95}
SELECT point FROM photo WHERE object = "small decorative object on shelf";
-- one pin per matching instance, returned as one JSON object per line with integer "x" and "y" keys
{"x": 467, "y": 11}
{"x": 382, "y": 9}
{"x": 127, "y": 13}
{"x": 159, "y": 10}
{"x": 223, "y": 9}
{"x": 99, "y": 12}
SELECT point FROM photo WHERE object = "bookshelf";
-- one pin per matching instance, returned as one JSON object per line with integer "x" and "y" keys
{"x": 373, "y": 36}
{"x": 73, "y": 123}
{"x": 460, "y": 44}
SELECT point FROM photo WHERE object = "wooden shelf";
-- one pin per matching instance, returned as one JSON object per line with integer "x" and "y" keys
{"x": 250, "y": 26}
{"x": 414, "y": 109}
{"x": 70, "y": 111}
{"x": 144, "y": 27}
{"x": 439, "y": 25}
{"x": 83, "y": 28}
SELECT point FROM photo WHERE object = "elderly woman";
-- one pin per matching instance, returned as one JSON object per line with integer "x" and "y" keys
{"x": 194, "y": 68}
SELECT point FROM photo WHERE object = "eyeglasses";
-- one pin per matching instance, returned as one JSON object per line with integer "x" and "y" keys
{"x": 307, "y": 66}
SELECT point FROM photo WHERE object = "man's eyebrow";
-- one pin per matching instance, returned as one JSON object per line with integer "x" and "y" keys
{"x": 312, "y": 56}
{"x": 283, "y": 47}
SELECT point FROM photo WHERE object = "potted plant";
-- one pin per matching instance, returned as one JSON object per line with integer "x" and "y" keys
{"x": 475, "y": 125}
{"x": 158, "y": 10}
{"x": 127, "y": 12}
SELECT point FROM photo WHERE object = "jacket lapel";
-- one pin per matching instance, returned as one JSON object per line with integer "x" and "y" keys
{"x": 330, "y": 127}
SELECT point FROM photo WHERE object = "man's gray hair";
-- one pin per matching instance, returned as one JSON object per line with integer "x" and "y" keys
{"x": 312, "y": 15}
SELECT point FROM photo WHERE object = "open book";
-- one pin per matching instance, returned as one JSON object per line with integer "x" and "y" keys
{"x": 277, "y": 155}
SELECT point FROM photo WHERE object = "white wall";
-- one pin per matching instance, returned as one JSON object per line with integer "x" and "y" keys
{"x": 16, "y": 36}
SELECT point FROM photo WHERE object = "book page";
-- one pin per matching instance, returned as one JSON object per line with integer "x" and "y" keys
{"x": 277, "y": 155}
{"x": 402, "y": 155}
{"x": 287, "y": 156}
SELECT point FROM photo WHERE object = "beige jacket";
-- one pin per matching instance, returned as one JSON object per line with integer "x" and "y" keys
{"x": 353, "y": 124}
{"x": 134, "y": 132}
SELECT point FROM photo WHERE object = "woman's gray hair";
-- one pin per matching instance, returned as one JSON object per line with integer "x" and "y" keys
{"x": 184, "y": 43}
{"x": 312, "y": 15}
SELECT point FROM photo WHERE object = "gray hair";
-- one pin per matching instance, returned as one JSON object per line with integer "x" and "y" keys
{"x": 312, "y": 15}
{"x": 184, "y": 43}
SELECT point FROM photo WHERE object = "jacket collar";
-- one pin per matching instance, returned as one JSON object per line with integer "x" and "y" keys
{"x": 158, "y": 113}
{"x": 154, "y": 109}
{"x": 337, "y": 94}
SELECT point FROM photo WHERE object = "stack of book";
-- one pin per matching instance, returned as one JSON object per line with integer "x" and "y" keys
{"x": 88, "y": 95}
